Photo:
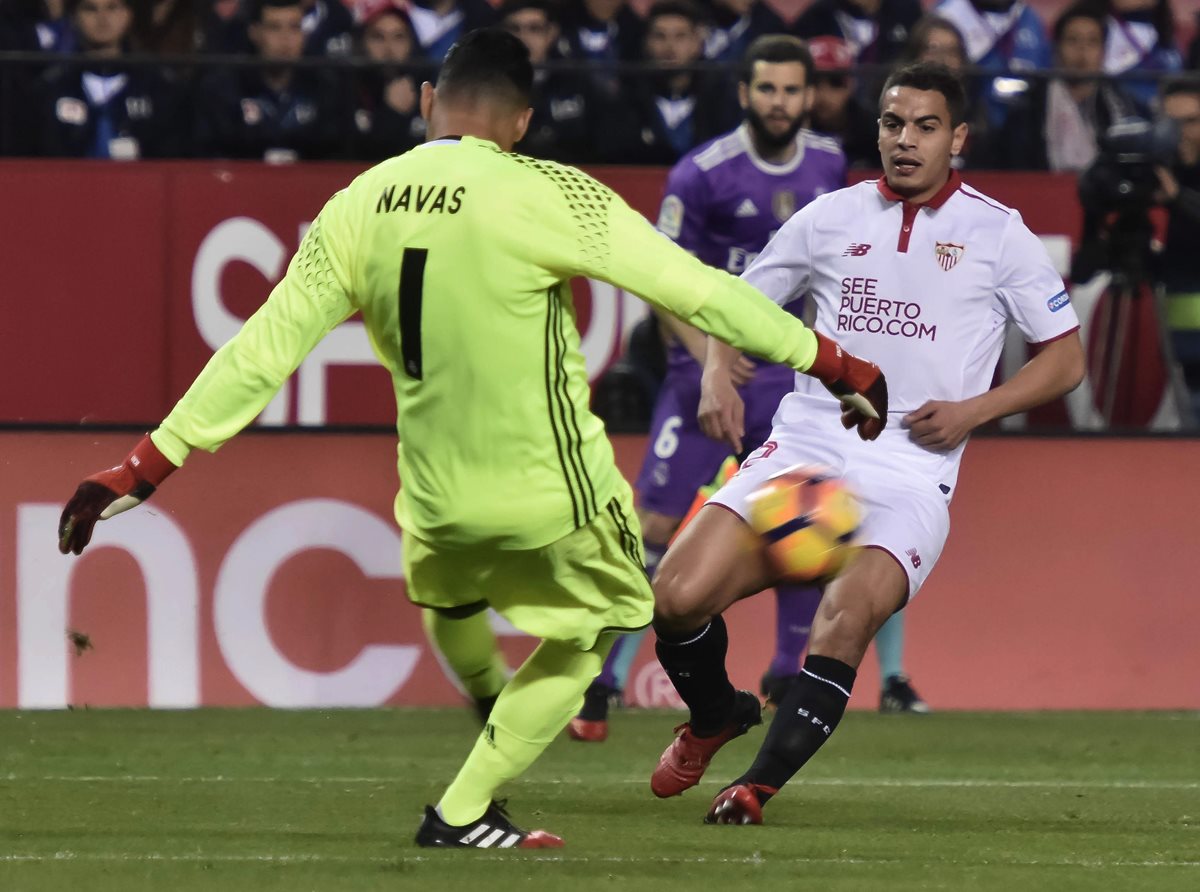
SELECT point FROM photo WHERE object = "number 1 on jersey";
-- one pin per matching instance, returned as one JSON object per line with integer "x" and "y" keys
{"x": 412, "y": 293}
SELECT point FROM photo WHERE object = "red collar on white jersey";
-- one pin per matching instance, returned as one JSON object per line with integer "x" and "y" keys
{"x": 939, "y": 199}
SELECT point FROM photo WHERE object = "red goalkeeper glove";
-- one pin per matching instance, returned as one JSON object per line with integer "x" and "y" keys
{"x": 110, "y": 492}
{"x": 859, "y": 385}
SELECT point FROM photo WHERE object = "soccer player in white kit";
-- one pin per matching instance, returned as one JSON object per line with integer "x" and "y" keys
{"x": 920, "y": 273}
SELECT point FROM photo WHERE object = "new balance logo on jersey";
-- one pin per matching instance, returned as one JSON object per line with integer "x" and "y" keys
{"x": 746, "y": 209}
{"x": 856, "y": 250}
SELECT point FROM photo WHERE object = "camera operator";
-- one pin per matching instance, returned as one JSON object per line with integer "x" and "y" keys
{"x": 1179, "y": 266}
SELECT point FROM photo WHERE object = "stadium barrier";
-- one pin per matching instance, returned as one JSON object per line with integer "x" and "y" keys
{"x": 125, "y": 278}
{"x": 271, "y": 574}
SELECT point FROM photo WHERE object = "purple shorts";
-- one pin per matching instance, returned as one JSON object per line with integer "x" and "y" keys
{"x": 681, "y": 459}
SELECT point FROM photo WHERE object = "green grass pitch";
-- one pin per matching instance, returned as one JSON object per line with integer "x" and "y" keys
{"x": 271, "y": 800}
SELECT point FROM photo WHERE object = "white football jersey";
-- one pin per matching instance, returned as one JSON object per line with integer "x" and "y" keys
{"x": 924, "y": 291}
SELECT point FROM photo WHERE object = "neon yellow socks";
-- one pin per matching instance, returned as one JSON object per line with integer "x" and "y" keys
{"x": 533, "y": 708}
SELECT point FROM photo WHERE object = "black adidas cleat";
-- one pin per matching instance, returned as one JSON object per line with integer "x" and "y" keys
{"x": 493, "y": 831}
{"x": 899, "y": 696}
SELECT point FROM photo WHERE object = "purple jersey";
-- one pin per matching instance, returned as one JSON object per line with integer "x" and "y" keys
{"x": 723, "y": 203}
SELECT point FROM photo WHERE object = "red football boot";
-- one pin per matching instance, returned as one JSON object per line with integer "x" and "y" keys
{"x": 738, "y": 804}
{"x": 588, "y": 732}
{"x": 684, "y": 762}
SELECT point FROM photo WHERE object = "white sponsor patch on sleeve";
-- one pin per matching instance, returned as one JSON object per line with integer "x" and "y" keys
{"x": 670, "y": 217}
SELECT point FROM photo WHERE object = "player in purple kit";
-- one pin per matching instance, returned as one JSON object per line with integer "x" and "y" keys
{"x": 723, "y": 202}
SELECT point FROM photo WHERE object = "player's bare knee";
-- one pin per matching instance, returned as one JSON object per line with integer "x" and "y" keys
{"x": 680, "y": 602}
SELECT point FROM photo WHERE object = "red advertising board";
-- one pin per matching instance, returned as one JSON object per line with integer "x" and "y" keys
{"x": 270, "y": 573}
{"x": 122, "y": 281}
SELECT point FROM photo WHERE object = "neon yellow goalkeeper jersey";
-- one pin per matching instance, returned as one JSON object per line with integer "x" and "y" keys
{"x": 458, "y": 255}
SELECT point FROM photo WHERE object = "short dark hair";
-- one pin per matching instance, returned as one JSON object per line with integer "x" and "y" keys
{"x": 548, "y": 8}
{"x": 776, "y": 48}
{"x": 1180, "y": 86}
{"x": 1085, "y": 9}
{"x": 918, "y": 37}
{"x": 71, "y": 7}
{"x": 935, "y": 77}
{"x": 488, "y": 63}
{"x": 256, "y": 8}
{"x": 681, "y": 8}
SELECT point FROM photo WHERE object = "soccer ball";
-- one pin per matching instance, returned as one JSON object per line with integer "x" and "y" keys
{"x": 807, "y": 520}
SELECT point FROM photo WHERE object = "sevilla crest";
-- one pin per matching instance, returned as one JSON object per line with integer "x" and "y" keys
{"x": 948, "y": 254}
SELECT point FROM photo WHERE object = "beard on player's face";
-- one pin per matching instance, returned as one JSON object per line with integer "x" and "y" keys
{"x": 773, "y": 134}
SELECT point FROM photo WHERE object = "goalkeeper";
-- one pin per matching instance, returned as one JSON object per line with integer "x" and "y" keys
{"x": 457, "y": 255}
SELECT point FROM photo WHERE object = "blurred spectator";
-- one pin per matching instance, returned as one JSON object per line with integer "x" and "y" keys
{"x": 563, "y": 104}
{"x": 734, "y": 24}
{"x": 168, "y": 27}
{"x": 667, "y": 112}
{"x": 1179, "y": 265}
{"x": 387, "y": 119}
{"x": 935, "y": 39}
{"x": 837, "y": 108}
{"x": 438, "y": 23}
{"x": 97, "y": 108}
{"x": 224, "y": 25}
{"x": 328, "y": 28}
{"x": 604, "y": 32}
{"x": 31, "y": 25}
{"x": 1193, "y": 56}
{"x": 1141, "y": 37}
{"x": 875, "y": 30}
{"x": 1057, "y": 124}
{"x": 276, "y": 112}
{"x": 1004, "y": 37}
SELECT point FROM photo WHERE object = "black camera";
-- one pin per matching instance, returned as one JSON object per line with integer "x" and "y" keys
{"x": 1117, "y": 192}
{"x": 1122, "y": 176}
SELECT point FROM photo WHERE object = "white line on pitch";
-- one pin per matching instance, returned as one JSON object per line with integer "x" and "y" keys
{"x": 755, "y": 858}
{"x": 1050, "y": 784}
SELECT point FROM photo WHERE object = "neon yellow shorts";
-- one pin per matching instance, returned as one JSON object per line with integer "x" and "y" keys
{"x": 572, "y": 590}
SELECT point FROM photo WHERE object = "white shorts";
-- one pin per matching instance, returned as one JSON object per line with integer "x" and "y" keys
{"x": 906, "y": 508}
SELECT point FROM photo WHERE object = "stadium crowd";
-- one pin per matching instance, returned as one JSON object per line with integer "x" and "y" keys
{"x": 324, "y": 79}
{"x": 617, "y": 83}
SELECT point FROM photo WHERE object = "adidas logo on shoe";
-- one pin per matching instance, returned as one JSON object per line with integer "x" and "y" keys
{"x": 492, "y": 831}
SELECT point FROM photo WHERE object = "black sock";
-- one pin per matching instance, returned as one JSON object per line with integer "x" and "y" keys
{"x": 695, "y": 663}
{"x": 804, "y": 720}
{"x": 595, "y": 703}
